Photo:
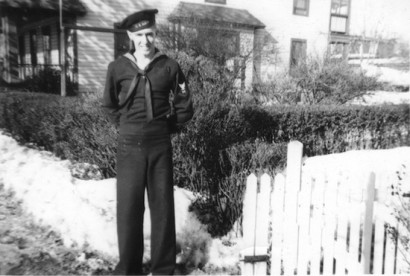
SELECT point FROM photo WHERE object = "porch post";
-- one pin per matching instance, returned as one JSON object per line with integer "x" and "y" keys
{"x": 10, "y": 62}
{"x": 257, "y": 56}
{"x": 62, "y": 52}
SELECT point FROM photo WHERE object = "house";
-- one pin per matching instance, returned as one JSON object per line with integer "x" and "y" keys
{"x": 91, "y": 39}
{"x": 343, "y": 28}
{"x": 31, "y": 35}
{"x": 277, "y": 34}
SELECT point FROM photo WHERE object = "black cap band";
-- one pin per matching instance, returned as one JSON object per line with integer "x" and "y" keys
{"x": 139, "y": 20}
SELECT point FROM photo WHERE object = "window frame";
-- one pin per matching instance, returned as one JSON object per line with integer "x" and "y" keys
{"x": 340, "y": 15}
{"x": 301, "y": 12}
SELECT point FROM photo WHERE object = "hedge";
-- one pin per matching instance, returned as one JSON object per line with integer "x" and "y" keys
{"x": 71, "y": 128}
{"x": 214, "y": 152}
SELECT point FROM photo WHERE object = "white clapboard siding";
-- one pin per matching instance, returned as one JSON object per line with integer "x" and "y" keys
{"x": 95, "y": 49}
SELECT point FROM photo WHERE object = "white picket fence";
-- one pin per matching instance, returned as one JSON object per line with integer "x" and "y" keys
{"x": 319, "y": 224}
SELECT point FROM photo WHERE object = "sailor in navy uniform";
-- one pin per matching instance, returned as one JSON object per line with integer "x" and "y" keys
{"x": 136, "y": 97}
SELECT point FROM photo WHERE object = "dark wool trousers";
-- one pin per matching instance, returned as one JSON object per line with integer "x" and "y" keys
{"x": 145, "y": 162}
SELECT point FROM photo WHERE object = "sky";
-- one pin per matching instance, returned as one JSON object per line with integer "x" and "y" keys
{"x": 389, "y": 18}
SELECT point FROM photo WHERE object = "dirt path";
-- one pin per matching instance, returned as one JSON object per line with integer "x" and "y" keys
{"x": 28, "y": 249}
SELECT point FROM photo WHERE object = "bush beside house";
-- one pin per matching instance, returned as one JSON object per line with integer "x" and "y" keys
{"x": 214, "y": 152}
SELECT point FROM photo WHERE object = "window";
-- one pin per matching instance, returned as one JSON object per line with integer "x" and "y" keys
{"x": 33, "y": 47}
{"x": 297, "y": 52}
{"x": 21, "y": 49}
{"x": 340, "y": 7}
{"x": 338, "y": 50}
{"x": 355, "y": 47}
{"x": 339, "y": 14}
{"x": 366, "y": 47}
{"x": 46, "y": 44}
{"x": 301, "y": 7}
{"x": 223, "y": 2}
{"x": 223, "y": 46}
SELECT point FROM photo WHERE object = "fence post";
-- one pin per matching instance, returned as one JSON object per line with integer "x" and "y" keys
{"x": 292, "y": 187}
{"x": 368, "y": 224}
{"x": 316, "y": 224}
{"x": 249, "y": 223}
{"x": 262, "y": 224}
{"x": 277, "y": 224}
{"x": 255, "y": 226}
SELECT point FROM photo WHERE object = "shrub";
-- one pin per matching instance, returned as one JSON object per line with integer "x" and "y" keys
{"x": 282, "y": 89}
{"x": 69, "y": 127}
{"x": 332, "y": 81}
{"x": 399, "y": 231}
{"x": 218, "y": 150}
{"x": 48, "y": 80}
{"x": 215, "y": 152}
{"x": 317, "y": 81}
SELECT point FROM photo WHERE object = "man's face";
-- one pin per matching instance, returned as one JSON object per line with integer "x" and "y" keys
{"x": 144, "y": 40}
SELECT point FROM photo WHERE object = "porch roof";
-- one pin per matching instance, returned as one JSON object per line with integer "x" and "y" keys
{"x": 69, "y": 6}
{"x": 213, "y": 13}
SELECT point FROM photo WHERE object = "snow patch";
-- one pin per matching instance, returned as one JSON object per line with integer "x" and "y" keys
{"x": 83, "y": 212}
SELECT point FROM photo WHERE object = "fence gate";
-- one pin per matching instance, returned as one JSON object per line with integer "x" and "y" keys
{"x": 321, "y": 224}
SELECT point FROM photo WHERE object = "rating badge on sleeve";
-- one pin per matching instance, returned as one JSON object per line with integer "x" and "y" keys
{"x": 182, "y": 87}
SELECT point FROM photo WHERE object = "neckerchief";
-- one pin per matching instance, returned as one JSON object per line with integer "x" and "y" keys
{"x": 142, "y": 76}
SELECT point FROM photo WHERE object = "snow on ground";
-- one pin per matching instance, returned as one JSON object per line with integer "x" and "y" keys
{"x": 83, "y": 211}
{"x": 375, "y": 67}
{"x": 388, "y": 75}
{"x": 383, "y": 97}
{"x": 362, "y": 162}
